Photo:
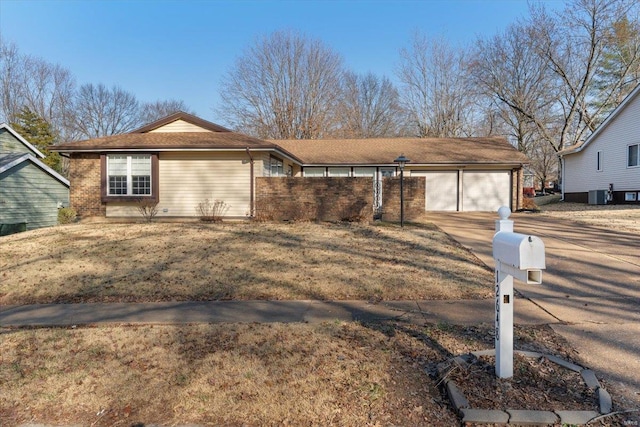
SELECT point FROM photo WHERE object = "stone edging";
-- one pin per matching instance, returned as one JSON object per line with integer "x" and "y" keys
{"x": 514, "y": 416}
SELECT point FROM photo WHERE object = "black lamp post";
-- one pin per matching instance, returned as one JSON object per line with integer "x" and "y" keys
{"x": 401, "y": 161}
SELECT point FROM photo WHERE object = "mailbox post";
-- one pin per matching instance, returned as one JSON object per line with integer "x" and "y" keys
{"x": 520, "y": 256}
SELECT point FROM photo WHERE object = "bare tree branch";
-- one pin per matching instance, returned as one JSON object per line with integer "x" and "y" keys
{"x": 435, "y": 88}
{"x": 285, "y": 86}
{"x": 369, "y": 107}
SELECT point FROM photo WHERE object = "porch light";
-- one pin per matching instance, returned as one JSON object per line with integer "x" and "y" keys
{"x": 401, "y": 161}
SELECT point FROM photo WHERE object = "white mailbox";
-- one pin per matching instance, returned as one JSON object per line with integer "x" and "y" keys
{"x": 520, "y": 255}
{"x": 517, "y": 256}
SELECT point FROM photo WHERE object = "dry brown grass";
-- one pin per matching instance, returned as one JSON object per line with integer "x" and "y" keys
{"x": 240, "y": 261}
{"x": 624, "y": 218}
{"x": 296, "y": 374}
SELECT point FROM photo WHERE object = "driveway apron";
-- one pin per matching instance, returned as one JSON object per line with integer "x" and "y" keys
{"x": 591, "y": 285}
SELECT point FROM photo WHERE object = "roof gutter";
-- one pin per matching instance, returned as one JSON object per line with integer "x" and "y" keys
{"x": 414, "y": 165}
{"x": 145, "y": 149}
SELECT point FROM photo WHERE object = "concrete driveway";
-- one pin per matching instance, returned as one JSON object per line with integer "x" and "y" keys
{"x": 591, "y": 287}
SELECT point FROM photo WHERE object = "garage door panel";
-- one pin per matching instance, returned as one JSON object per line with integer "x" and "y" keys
{"x": 441, "y": 190}
{"x": 485, "y": 190}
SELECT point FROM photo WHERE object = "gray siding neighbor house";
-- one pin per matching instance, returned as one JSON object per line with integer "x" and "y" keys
{"x": 30, "y": 191}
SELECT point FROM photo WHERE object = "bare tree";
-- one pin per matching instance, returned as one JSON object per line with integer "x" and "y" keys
{"x": 435, "y": 88}
{"x": 544, "y": 162}
{"x": 152, "y": 111}
{"x": 102, "y": 112}
{"x": 369, "y": 107}
{"x": 285, "y": 86}
{"x": 44, "y": 88}
{"x": 519, "y": 85}
{"x": 11, "y": 72}
{"x": 573, "y": 44}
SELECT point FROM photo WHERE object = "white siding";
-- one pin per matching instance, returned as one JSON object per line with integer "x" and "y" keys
{"x": 580, "y": 174}
{"x": 186, "y": 179}
{"x": 180, "y": 126}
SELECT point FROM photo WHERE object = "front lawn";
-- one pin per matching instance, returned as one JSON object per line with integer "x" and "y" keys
{"x": 237, "y": 261}
{"x": 334, "y": 373}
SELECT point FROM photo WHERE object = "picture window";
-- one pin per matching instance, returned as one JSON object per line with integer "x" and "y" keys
{"x": 129, "y": 175}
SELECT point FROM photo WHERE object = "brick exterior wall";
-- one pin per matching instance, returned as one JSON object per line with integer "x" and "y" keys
{"x": 517, "y": 189}
{"x": 314, "y": 199}
{"x": 414, "y": 192}
{"x": 335, "y": 199}
{"x": 84, "y": 178}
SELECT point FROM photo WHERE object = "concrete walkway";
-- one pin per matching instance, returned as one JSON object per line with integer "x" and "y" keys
{"x": 591, "y": 287}
{"x": 464, "y": 312}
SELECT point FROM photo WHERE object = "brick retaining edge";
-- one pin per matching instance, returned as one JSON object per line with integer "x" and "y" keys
{"x": 517, "y": 416}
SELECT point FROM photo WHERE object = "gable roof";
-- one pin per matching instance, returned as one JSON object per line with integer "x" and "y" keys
{"x": 30, "y": 146}
{"x": 160, "y": 141}
{"x": 214, "y": 137}
{"x": 576, "y": 148}
{"x": 181, "y": 115}
{"x": 11, "y": 160}
{"x": 380, "y": 151}
{"x": 423, "y": 151}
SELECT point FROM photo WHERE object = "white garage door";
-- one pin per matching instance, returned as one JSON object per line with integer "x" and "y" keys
{"x": 485, "y": 191}
{"x": 441, "y": 190}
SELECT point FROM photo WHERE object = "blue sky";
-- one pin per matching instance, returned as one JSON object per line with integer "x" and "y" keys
{"x": 162, "y": 49}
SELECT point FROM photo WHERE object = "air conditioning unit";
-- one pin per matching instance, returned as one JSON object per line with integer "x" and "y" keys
{"x": 597, "y": 197}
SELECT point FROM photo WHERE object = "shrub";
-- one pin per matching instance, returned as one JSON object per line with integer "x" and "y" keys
{"x": 529, "y": 205}
{"x": 148, "y": 209}
{"x": 303, "y": 212}
{"x": 265, "y": 213}
{"x": 355, "y": 212}
{"x": 66, "y": 215}
{"x": 211, "y": 211}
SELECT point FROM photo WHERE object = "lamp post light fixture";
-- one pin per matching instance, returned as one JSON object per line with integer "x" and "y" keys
{"x": 401, "y": 161}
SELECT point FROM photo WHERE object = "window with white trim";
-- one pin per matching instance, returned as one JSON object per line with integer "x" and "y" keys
{"x": 274, "y": 167}
{"x": 633, "y": 155}
{"x": 128, "y": 175}
{"x": 315, "y": 172}
{"x": 599, "y": 161}
{"x": 334, "y": 172}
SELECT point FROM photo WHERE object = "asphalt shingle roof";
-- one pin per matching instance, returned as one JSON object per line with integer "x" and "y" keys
{"x": 417, "y": 150}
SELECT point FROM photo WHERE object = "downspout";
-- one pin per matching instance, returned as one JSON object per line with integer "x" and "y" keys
{"x": 562, "y": 178}
{"x": 251, "y": 186}
{"x": 519, "y": 186}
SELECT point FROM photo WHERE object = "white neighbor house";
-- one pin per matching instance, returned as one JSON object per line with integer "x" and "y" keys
{"x": 608, "y": 161}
